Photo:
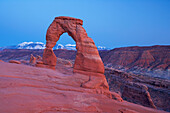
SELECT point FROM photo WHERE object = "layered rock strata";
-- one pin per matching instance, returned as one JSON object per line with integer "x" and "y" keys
{"x": 87, "y": 57}
{"x": 87, "y": 62}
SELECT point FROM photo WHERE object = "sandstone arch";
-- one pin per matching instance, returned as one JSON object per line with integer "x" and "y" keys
{"x": 87, "y": 57}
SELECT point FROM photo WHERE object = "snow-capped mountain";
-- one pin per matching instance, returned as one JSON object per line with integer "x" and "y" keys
{"x": 70, "y": 46}
{"x": 31, "y": 45}
{"x": 40, "y": 45}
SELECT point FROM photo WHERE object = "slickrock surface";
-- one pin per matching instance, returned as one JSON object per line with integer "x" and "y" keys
{"x": 26, "y": 89}
{"x": 87, "y": 56}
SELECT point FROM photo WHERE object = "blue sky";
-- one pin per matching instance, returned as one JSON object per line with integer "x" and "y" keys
{"x": 110, "y": 23}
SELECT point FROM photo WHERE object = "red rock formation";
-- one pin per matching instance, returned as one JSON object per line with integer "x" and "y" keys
{"x": 151, "y": 57}
{"x": 1, "y": 61}
{"x": 32, "y": 59}
{"x": 139, "y": 93}
{"x": 38, "y": 58}
{"x": 87, "y": 57}
{"x": 15, "y": 61}
{"x": 116, "y": 96}
{"x": 27, "y": 89}
{"x": 144, "y": 90}
{"x": 158, "y": 88}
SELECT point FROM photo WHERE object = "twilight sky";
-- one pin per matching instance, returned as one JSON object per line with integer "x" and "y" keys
{"x": 110, "y": 23}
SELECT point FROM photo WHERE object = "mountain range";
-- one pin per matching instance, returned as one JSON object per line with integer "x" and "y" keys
{"x": 40, "y": 45}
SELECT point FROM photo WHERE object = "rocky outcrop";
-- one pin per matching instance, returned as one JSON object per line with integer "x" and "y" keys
{"x": 149, "y": 61}
{"x": 38, "y": 58}
{"x": 15, "y": 61}
{"x": 32, "y": 60}
{"x": 87, "y": 57}
{"x": 39, "y": 90}
{"x": 116, "y": 96}
{"x": 144, "y": 90}
{"x": 87, "y": 62}
{"x": 146, "y": 57}
{"x": 138, "y": 93}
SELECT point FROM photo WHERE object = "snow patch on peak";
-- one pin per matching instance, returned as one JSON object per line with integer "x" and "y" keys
{"x": 71, "y": 45}
{"x": 101, "y": 48}
{"x": 60, "y": 45}
{"x": 39, "y": 43}
{"x": 24, "y": 43}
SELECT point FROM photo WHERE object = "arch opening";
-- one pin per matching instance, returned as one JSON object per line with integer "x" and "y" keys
{"x": 87, "y": 56}
{"x": 66, "y": 41}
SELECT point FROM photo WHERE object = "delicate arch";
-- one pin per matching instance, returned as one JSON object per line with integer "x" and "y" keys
{"x": 87, "y": 57}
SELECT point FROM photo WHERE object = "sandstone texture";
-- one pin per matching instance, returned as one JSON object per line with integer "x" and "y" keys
{"x": 87, "y": 62}
{"x": 87, "y": 56}
{"x": 27, "y": 89}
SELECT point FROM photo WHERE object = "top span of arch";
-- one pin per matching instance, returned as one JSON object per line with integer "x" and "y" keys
{"x": 77, "y": 21}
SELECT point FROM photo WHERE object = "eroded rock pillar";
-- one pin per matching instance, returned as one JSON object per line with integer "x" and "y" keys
{"x": 49, "y": 58}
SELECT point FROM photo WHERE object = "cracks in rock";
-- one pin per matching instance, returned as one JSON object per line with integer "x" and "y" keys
{"x": 81, "y": 85}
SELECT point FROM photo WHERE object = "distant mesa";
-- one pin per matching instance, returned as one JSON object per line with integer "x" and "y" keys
{"x": 148, "y": 60}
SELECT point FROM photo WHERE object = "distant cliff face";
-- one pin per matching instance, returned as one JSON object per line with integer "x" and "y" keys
{"x": 151, "y": 60}
{"x": 147, "y": 91}
{"x": 153, "y": 57}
